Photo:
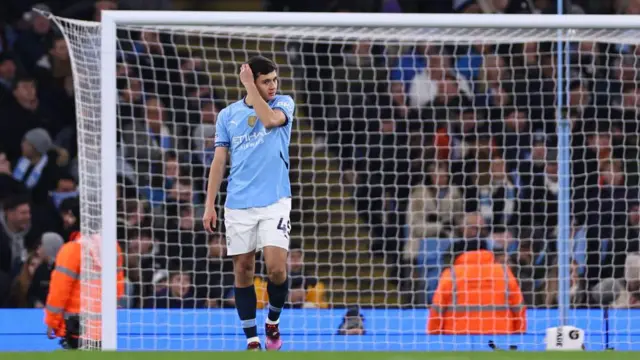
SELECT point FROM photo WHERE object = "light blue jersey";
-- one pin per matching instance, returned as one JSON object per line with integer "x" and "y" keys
{"x": 259, "y": 157}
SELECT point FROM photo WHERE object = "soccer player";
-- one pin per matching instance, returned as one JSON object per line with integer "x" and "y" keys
{"x": 256, "y": 131}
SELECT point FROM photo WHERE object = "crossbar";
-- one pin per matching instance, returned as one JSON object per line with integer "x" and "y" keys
{"x": 242, "y": 18}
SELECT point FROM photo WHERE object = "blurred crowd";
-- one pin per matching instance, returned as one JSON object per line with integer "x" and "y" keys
{"x": 442, "y": 143}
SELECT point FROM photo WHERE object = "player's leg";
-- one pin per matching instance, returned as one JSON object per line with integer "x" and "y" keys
{"x": 273, "y": 238}
{"x": 278, "y": 289}
{"x": 242, "y": 239}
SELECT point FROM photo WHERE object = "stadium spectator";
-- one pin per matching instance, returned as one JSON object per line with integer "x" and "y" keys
{"x": 24, "y": 106}
{"x": 472, "y": 226}
{"x": 69, "y": 213}
{"x": 8, "y": 185}
{"x": 19, "y": 294}
{"x": 214, "y": 272}
{"x": 158, "y": 195}
{"x": 33, "y": 43}
{"x": 463, "y": 304}
{"x": 305, "y": 290}
{"x": 630, "y": 295}
{"x": 17, "y": 234}
{"x": 178, "y": 294}
{"x": 140, "y": 264}
{"x": 435, "y": 208}
{"x": 182, "y": 191}
{"x": 492, "y": 193}
{"x": 8, "y": 70}
{"x": 50, "y": 244}
{"x": 37, "y": 169}
{"x": 156, "y": 118}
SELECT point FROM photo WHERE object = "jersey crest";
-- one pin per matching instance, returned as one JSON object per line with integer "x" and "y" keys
{"x": 252, "y": 120}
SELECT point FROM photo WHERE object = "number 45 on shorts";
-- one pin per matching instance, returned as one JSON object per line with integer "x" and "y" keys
{"x": 285, "y": 227}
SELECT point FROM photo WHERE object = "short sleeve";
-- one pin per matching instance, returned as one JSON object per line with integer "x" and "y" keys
{"x": 222, "y": 136}
{"x": 288, "y": 107}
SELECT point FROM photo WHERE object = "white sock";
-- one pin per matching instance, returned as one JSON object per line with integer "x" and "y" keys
{"x": 253, "y": 339}
{"x": 271, "y": 322}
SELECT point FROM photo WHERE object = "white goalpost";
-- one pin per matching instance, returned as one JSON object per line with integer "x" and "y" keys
{"x": 529, "y": 119}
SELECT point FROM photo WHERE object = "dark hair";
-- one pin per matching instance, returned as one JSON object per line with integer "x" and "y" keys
{"x": 260, "y": 65}
{"x": 12, "y": 202}
{"x": 136, "y": 233}
{"x": 185, "y": 180}
{"x": 22, "y": 79}
{"x": 295, "y": 246}
{"x": 65, "y": 175}
{"x": 170, "y": 155}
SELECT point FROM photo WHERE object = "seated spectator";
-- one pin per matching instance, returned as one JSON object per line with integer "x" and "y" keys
{"x": 19, "y": 294}
{"x": 178, "y": 295}
{"x": 55, "y": 90}
{"x": 434, "y": 208}
{"x": 157, "y": 195}
{"x": 47, "y": 251}
{"x": 134, "y": 213}
{"x": 402, "y": 78}
{"x": 543, "y": 195}
{"x": 513, "y": 136}
{"x": 497, "y": 310}
{"x": 214, "y": 273}
{"x": 493, "y": 193}
{"x": 37, "y": 168}
{"x": 55, "y": 65}
{"x": 17, "y": 235}
{"x": 305, "y": 291}
{"x": 156, "y": 118}
{"x": 531, "y": 263}
{"x": 140, "y": 264}
{"x": 204, "y": 145}
{"x": 201, "y": 157}
{"x": 32, "y": 44}
{"x": 472, "y": 226}
{"x": 182, "y": 191}
{"x": 8, "y": 70}
{"x": 66, "y": 188}
{"x": 69, "y": 211}
{"x": 140, "y": 150}
{"x": 501, "y": 239}
{"x": 630, "y": 295}
{"x": 8, "y": 185}
{"x": 24, "y": 114}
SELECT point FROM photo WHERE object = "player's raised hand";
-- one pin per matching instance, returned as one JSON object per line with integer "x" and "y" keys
{"x": 210, "y": 219}
{"x": 246, "y": 75}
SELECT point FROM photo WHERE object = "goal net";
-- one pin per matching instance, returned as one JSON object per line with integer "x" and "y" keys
{"x": 432, "y": 206}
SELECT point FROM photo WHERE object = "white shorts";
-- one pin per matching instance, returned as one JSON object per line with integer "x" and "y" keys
{"x": 254, "y": 228}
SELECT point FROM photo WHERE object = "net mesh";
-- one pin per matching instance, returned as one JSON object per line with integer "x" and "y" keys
{"x": 409, "y": 147}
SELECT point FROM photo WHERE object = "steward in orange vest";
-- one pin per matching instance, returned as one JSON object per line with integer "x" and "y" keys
{"x": 477, "y": 295}
{"x": 63, "y": 308}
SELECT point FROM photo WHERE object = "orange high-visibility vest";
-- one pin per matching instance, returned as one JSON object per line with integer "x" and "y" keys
{"x": 66, "y": 287}
{"x": 477, "y": 296}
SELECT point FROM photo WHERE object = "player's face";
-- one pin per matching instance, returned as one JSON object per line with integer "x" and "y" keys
{"x": 267, "y": 85}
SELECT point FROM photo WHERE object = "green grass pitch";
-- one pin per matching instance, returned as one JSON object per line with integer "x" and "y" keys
{"x": 498, "y": 355}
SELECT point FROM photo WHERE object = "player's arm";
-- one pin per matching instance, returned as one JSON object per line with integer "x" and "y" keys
{"x": 219, "y": 162}
{"x": 270, "y": 118}
{"x": 218, "y": 166}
